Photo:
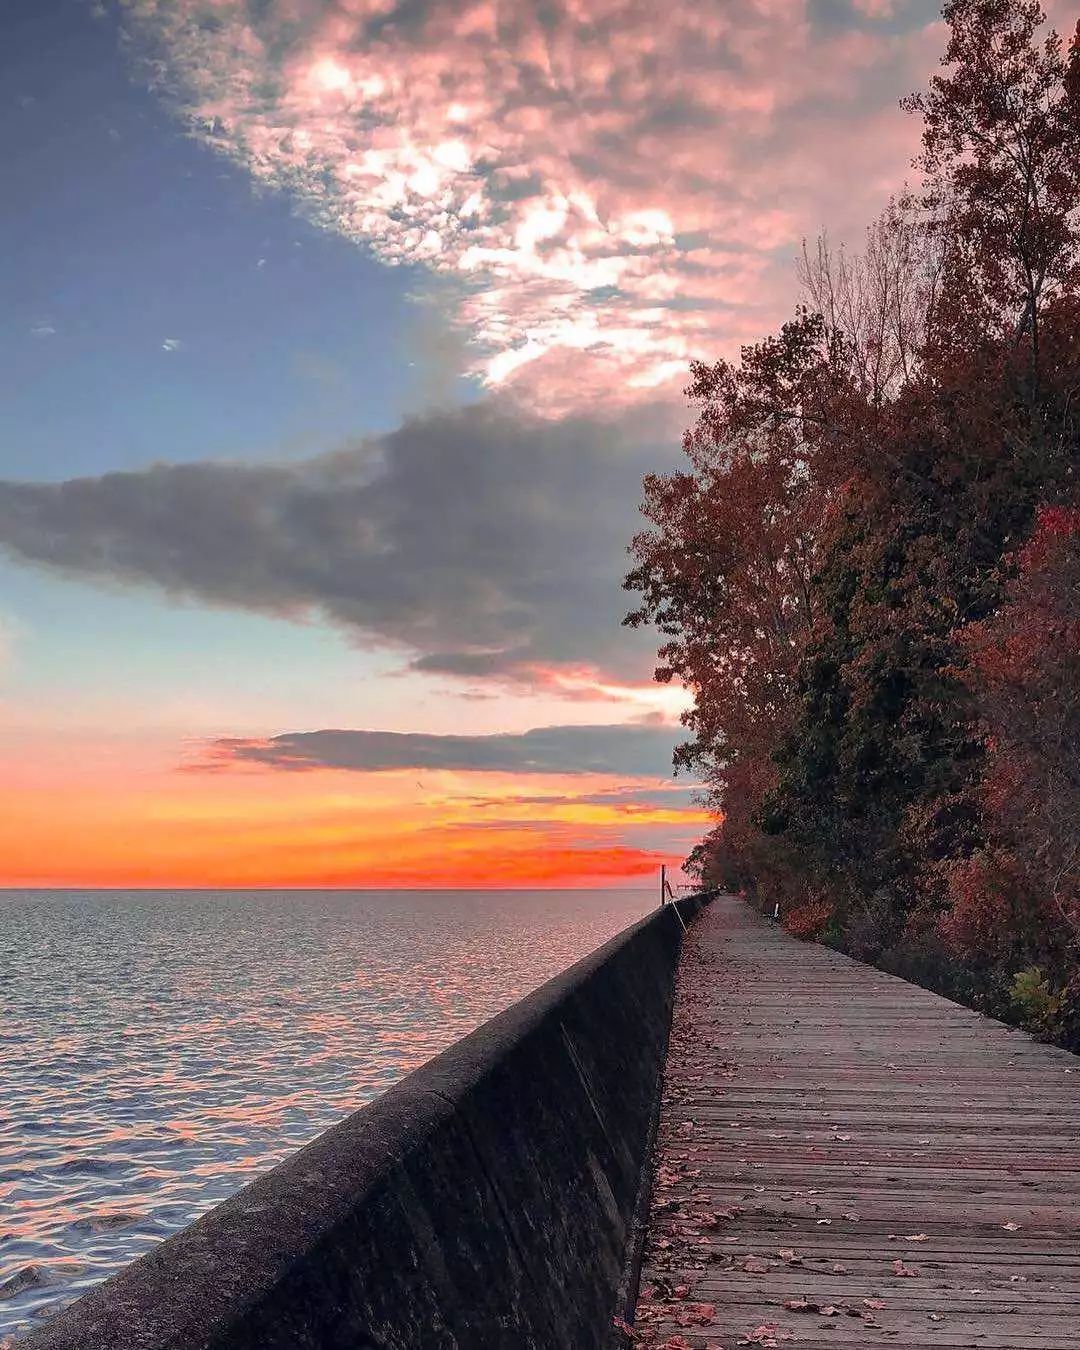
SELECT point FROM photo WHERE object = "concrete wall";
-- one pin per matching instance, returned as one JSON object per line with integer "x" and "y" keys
{"x": 484, "y": 1202}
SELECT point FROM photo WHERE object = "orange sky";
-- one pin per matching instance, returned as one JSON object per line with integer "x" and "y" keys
{"x": 255, "y": 485}
{"x": 95, "y": 813}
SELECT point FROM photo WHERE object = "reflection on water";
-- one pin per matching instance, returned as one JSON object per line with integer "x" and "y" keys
{"x": 159, "y": 1049}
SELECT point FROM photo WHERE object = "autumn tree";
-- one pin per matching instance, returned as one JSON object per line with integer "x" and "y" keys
{"x": 1015, "y": 899}
{"x": 845, "y": 534}
{"x": 725, "y": 572}
{"x": 1001, "y": 127}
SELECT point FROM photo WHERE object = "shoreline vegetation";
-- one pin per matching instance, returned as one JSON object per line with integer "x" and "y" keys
{"x": 868, "y": 573}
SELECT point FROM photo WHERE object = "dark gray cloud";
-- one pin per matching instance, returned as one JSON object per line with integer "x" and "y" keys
{"x": 630, "y": 749}
{"x": 484, "y": 542}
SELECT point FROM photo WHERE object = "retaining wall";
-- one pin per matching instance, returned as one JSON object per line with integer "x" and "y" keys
{"x": 486, "y": 1202}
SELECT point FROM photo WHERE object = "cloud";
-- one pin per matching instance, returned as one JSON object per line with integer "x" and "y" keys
{"x": 673, "y": 796}
{"x": 677, "y": 797}
{"x": 171, "y": 345}
{"x": 486, "y": 544}
{"x": 619, "y": 749}
{"x": 42, "y": 330}
{"x": 611, "y": 187}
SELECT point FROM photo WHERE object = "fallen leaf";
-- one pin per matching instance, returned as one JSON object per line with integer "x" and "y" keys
{"x": 900, "y": 1269}
{"x": 767, "y": 1334}
{"x": 696, "y": 1315}
{"x": 804, "y": 1304}
{"x": 1011, "y": 1227}
{"x": 874, "y": 1303}
{"x": 714, "y": 1220}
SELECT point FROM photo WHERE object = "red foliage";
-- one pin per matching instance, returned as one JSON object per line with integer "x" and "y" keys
{"x": 725, "y": 574}
{"x": 987, "y": 908}
{"x": 810, "y": 918}
{"x": 885, "y": 675}
{"x": 1025, "y": 670}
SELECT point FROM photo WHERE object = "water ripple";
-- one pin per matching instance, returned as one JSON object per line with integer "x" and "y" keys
{"x": 160, "y": 1049}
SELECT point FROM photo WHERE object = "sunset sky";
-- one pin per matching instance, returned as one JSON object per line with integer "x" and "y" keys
{"x": 336, "y": 336}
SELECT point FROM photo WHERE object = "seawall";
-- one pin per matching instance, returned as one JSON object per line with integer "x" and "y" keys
{"x": 486, "y": 1202}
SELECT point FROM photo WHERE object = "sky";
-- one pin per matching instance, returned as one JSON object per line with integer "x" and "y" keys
{"x": 335, "y": 338}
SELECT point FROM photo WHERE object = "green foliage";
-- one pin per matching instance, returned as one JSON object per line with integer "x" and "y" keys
{"x": 1035, "y": 999}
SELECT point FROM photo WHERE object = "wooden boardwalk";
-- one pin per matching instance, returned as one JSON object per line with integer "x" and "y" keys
{"x": 845, "y": 1159}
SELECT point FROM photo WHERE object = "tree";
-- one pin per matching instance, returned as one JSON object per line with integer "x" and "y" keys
{"x": 880, "y": 305}
{"x": 1024, "y": 667}
{"x": 840, "y": 572}
{"x": 1001, "y": 169}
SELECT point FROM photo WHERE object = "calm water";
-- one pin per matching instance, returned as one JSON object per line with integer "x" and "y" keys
{"x": 160, "y": 1049}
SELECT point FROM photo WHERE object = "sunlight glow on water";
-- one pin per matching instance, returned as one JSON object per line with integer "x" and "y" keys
{"x": 160, "y": 1049}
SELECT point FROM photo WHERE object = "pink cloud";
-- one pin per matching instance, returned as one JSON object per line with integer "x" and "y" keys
{"x": 614, "y": 187}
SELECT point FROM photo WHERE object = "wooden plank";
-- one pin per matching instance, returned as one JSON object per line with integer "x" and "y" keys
{"x": 846, "y": 1159}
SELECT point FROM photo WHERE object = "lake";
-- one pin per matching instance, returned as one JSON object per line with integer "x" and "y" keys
{"x": 159, "y": 1049}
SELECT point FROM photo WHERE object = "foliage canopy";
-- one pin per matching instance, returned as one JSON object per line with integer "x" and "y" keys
{"x": 868, "y": 574}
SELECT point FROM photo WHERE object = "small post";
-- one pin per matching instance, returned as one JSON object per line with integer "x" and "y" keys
{"x": 666, "y": 892}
